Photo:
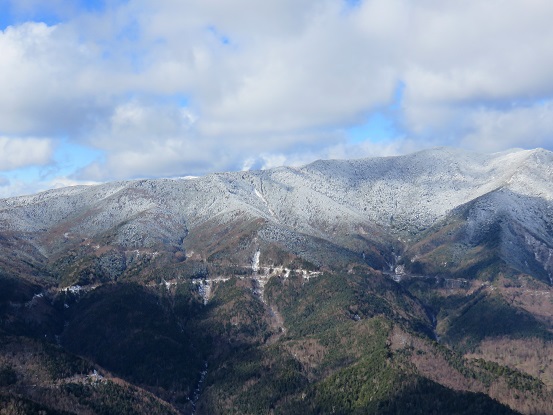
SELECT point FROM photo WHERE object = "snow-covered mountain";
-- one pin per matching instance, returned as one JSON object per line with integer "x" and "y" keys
{"x": 323, "y": 212}
{"x": 363, "y": 285}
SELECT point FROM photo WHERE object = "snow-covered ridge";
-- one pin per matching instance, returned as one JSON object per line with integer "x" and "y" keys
{"x": 421, "y": 187}
{"x": 411, "y": 191}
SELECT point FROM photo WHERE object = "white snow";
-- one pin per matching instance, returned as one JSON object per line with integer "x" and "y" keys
{"x": 205, "y": 286}
{"x": 255, "y": 262}
{"x": 73, "y": 289}
{"x": 412, "y": 191}
{"x": 77, "y": 289}
{"x": 260, "y": 196}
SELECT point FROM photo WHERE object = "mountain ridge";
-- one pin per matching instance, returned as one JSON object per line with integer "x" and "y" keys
{"x": 353, "y": 284}
{"x": 325, "y": 199}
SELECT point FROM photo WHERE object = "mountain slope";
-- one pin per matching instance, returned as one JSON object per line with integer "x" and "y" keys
{"x": 354, "y": 285}
{"x": 352, "y": 204}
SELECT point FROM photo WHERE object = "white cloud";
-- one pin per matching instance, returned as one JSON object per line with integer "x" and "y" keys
{"x": 16, "y": 153}
{"x": 172, "y": 87}
{"x": 495, "y": 130}
{"x": 143, "y": 140}
{"x": 328, "y": 74}
{"x": 474, "y": 54}
{"x": 51, "y": 82}
{"x": 343, "y": 150}
{"x": 164, "y": 141}
{"x": 63, "y": 181}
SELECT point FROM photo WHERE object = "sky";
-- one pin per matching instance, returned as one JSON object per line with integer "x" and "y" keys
{"x": 100, "y": 90}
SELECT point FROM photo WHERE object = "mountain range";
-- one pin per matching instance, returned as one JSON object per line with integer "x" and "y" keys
{"x": 411, "y": 284}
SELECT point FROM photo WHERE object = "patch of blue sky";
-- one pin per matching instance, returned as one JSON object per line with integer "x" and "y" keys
{"x": 12, "y": 13}
{"x": 70, "y": 157}
{"x": 93, "y": 5}
{"x": 543, "y": 102}
{"x": 4, "y": 181}
{"x": 179, "y": 99}
{"x": 130, "y": 32}
{"x": 531, "y": 102}
{"x": 353, "y": 3}
{"x": 176, "y": 99}
{"x": 350, "y": 6}
{"x": 137, "y": 62}
{"x": 26, "y": 174}
{"x": 222, "y": 38}
{"x": 5, "y": 14}
{"x": 378, "y": 127}
{"x": 399, "y": 92}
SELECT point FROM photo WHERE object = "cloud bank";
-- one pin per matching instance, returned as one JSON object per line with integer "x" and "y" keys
{"x": 172, "y": 88}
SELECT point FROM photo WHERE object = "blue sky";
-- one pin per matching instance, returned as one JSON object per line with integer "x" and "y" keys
{"x": 100, "y": 90}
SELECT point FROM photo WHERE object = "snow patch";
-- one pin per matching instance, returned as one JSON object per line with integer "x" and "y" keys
{"x": 78, "y": 289}
{"x": 73, "y": 289}
{"x": 262, "y": 198}
{"x": 205, "y": 286}
{"x": 255, "y": 261}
